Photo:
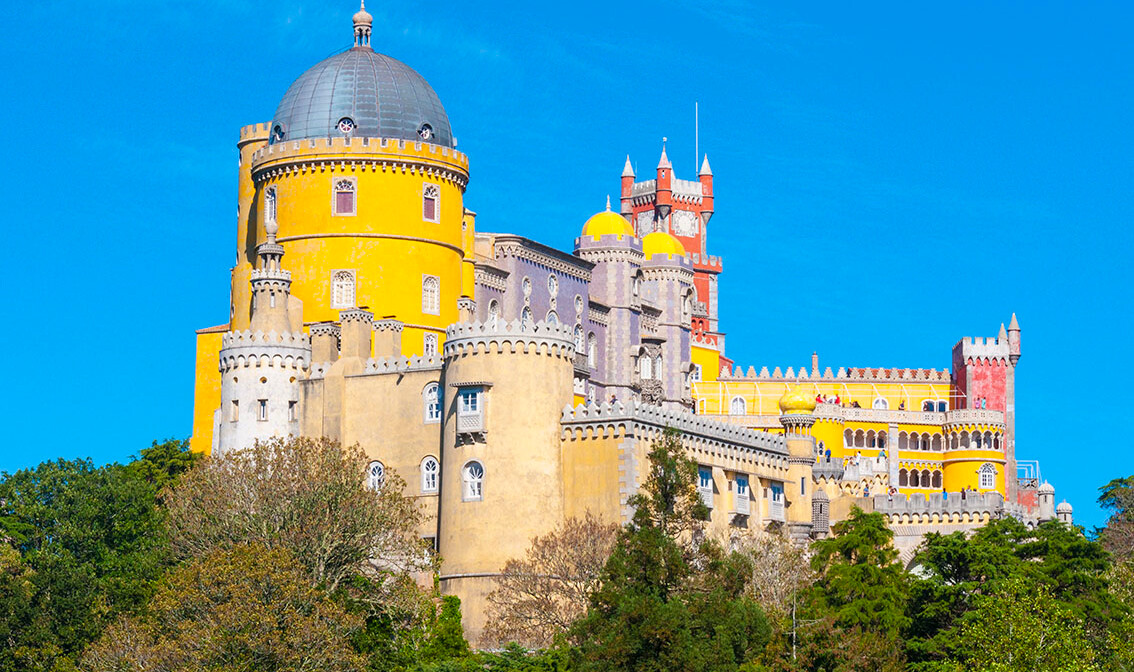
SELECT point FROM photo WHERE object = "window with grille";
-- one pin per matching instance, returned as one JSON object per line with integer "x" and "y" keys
{"x": 342, "y": 289}
{"x": 431, "y": 400}
{"x": 472, "y": 477}
{"x": 344, "y": 196}
{"x": 270, "y": 205}
{"x": 375, "y": 475}
{"x": 430, "y": 348}
{"x": 430, "y": 471}
{"x": 431, "y": 295}
{"x": 738, "y": 406}
{"x": 987, "y": 474}
{"x": 430, "y": 202}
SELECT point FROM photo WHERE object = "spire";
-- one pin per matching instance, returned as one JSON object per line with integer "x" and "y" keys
{"x": 362, "y": 23}
{"x": 608, "y": 202}
{"x": 627, "y": 170}
{"x": 705, "y": 169}
{"x": 1002, "y": 337}
{"x": 1013, "y": 325}
{"x": 664, "y": 162}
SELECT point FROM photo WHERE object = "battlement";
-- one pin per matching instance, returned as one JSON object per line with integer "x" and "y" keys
{"x": 843, "y": 375}
{"x": 706, "y": 261}
{"x": 260, "y": 274}
{"x": 668, "y": 267}
{"x": 965, "y": 417}
{"x": 936, "y": 508}
{"x": 687, "y": 191}
{"x": 977, "y": 347}
{"x": 643, "y": 188}
{"x": 614, "y": 415}
{"x": 610, "y": 240}
{"x": 466, "y": 338}
{"x": 362, "y": 153}
{"x": 241, "y": 349}
{"x": 383, "y": 365}
{"x": 255, "y": 132}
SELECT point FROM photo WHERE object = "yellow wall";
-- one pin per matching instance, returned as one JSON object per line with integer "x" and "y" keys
{"x": 206, "y": 389}
{"x": 762, "y": 397}
{"x": 709, "y": 361}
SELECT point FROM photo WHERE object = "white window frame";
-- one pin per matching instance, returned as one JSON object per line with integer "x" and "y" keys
{"x": 432, "y": 191}
{"x": 705, "y": 484}
{"x": 987, "y": 471}
{"x": 880, "y": 404}
{"x": 430, "y": 474}
{"x": 732, "y": 405}
{"x": 472, "y": 483}
{"x": 344, "y": 295}
{"x": 429, "y": 344}
{"x": 338, "y": 185}
{"x": 431, "y": 404}
{"x": 695, "y": 374}
{"x": 270, "y": 204}
{"x": 592, "y": 350}
{"x": 645, "y": 367}
{"x": 375, "y": 475}
{"x": 493, "y": 311}
{"x": 580, "y": 339}
{"x": 430, "y": 301}
{"x": 526, "y": 317}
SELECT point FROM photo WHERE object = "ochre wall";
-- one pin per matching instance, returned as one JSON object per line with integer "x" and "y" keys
{"x": 206, "y": 387}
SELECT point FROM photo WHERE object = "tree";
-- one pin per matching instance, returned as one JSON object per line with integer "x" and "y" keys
{"x": 85, "y": 544}
{"x": 539, "y": 597}
{"x": 667, "y": 602}
{"x": 1022, "y": 627}
{"x": 161, "y": 464}
{"x": 780, "y": 571}
{"x": 1118, "y": 536}
{"x": 240, "y": 608}
{"x": 308, "y": 496}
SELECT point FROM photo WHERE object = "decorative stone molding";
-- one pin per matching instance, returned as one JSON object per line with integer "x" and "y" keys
{"x": 616, "y": 252}
{"x": 241, "y": 349}
{"x": 348, "y": 315}
{"x": 659, "y": 268}
{"x": 491, "y": 277}
{"x": 384, "y": 365}
{"x": 843, "y": 375}
{"x": 465, "y": 303}
{"x": 598, "y": 313}
{"x": 467, "y": 338}
{"x": 388, "y": 324}
{"x": 325, "y": 329}
{"x": 969, "y": 417}
{"x": 521, "y": 248}
{"x": 359, "y": 154}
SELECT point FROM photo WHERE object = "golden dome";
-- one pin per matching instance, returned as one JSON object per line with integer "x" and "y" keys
{"x": 607, "y": 223}
{"x": 797, "y": 401}
{"x": 660, "y": 242}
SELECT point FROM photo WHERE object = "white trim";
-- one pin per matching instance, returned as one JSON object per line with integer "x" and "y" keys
{"x": 472, "y": 490}
{"x": 433, "y": 307}
{"x": 336, "y": 182}
{"x": 430, "y": 479}
{"x": 337, "y": 302}
{"x": 426, "y": 188}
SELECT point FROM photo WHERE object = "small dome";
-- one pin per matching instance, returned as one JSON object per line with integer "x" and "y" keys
{"x": 797, "y": 402}
{"x": 363, "y": 16}
{"x": 1046, "y": 489}
{"x": 660, "y": 242}
{"x": 820, "y": 496}
{"x": 607, "y": 223}
{"x": 1063, "y": 507}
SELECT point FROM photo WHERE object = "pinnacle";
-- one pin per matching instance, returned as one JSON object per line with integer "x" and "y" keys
{"x": 664, "y": 161}
{"x": 1014, "y": 325}
{"x": 627, "y": 170}
{"x": 705, "y": 169}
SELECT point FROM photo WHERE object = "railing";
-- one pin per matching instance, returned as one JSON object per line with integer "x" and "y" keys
{"x": 741, "y": 504}
{"x": 470, "y": 422}
{"x": 974, "y": 416}
{"x": 582, "y": 365}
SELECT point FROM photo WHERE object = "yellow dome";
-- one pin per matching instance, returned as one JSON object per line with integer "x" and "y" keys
{"x": 797, "y": 401}
{"x": 607, "y": 223}
{"x": 660, "y": 242}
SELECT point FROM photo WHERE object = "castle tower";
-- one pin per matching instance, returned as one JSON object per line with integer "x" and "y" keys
{"x": 1063, "y": 513}
{"x": 1046, "y": 496}
{"x": 261, "y": 367}
{"x": 505, "y": 385}
{"x": 796, "y": 416}
{"x": 668, "y": 294}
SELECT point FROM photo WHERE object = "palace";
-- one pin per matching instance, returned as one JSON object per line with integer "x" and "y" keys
{"x": 513, "y": 384}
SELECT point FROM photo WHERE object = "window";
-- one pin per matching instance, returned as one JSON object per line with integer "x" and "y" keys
{"x": 270, "y": 205}
{"x": 472, "y": 478}
{"x": 738, "y": 406}
{"x": 695, "y": 375}
{"x": 741, "y": 487}
{"x": 262, "y": 410}
{"x": 344, "y": 197}
{"x": 987, "y": 474}
{"x": 526, "y": 285}
{"x": 292, "y": 411}
{"x": 430, "y": 349}
{"x": 430, "y": 469}
{"x": 580, "y": 340}
{"x": 470, "y": 402}
{"x": 430, "y": 199}
{"x": 375, "y": 475}
{"x": 552, "y": 285}
{"x": 592, "y": 350}
{"x": 430, "y": 295}
{"x": 657, "y": 367}
{"x": 342, "y": 289}
{"x": 234, "y": 411}
{"x": 493, "y": 311}
{"x": 705, "y": 485}
{"x": 431, "y": 402}
{"x": 942, "y": 406}
{"x": 526, "y": 317}
{"x": 552, "y": 317}
{"x": 881, "y": 404}
{"x": 645, "y": 367}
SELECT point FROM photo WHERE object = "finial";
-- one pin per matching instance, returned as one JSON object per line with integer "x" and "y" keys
{"x": 664, "y": 162}
{"x": 628, "y": 170}
{"x": 1013, "y": 325}
{"x": 362, "y": 23}
{"x": 608, "y": 202}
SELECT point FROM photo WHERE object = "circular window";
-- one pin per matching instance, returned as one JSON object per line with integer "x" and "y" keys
{"x": 426, "y": 132}
{"x": 527, "y": 285}
{"x": 346, "y": 125}
{"x": 277, "y": 133}
{"x": 552, "y": 285}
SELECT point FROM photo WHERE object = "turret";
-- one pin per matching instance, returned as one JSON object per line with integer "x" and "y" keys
{"x": 705, "y": 175}
{"x": 1013, "y": 340}
{"x": 664, "y": 202}
{"x": 1063, "y": 513}
{"x": 627, "y": 188}
{"x": 1046, "y": 496}
{"x": 797, "y": 409}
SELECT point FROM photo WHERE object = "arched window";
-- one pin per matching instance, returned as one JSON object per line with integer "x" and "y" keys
{"x": 987, "y": 474}
{"x": 903, "y": 478}
{"x": 580, "y": 340}
{"x": 915, "y": 479}
{"x": 552, "y": 317}
{"x": 270, "y": 205}
{"x": 375, "y": 475}
{"x": 342, "y": 289}
{"x": 881, "y": 439}
{"x": 937, "y": 479}
{"x": 429, "y": 348}
{"x": 431, "y": 403}
{"x": 493, "y": 311}
{"x": 925, "y": 480}
{"x": 977, "y": 440}
{"x": 552, "y": 285}
{"x": 881, "y": 404}
{"x": 942, "y": 406}
{"x": 738, "y": 406}
{"x": 927, "y": 405}
{"x": 472, "y": 478}
{"x": 344, "y": 196}
{"x": 431, "y": 295}
{"x": 430, "y": 469}
{"x": 645, "y": 367}
{"x": 430, "y": 199}
{"x": 848, "y": 439}
{"x": 526, "y": 317}
{"x": 658, "y": 367}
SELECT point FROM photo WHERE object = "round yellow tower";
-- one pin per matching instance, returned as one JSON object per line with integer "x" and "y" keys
{"x": 359, "y": 170}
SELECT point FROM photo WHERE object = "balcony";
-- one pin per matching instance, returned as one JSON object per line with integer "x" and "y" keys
{"x": 776, "y": 508}
{"x": 470, "y": 423}
{"x": 706, "y": 496}
{"x": 582, "y": 365}
{"x": 742, "y": 504}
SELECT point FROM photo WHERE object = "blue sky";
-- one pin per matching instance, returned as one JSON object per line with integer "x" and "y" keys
{"x": 889, "y": 178}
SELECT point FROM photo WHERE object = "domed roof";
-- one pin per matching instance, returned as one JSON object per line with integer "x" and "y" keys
{"x": 660, "y": 242}
{"x": 1046, "y": 489}
{"x": 1063, "y": 507}
{"x": 797, "y": 401}
{"x": 607, "y": 223}
{"x": 361, "y": 93}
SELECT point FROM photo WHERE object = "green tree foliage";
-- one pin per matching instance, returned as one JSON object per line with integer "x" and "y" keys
{"x": 85, "y": 544}
{"x": 161, "y": 464}
{"x": 666, "y": 602}
{"x": 242, "y": 608}
{"x": 1117, "y": 497}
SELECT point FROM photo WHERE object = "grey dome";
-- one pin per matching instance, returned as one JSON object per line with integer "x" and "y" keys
{"x": 382, "y": 97}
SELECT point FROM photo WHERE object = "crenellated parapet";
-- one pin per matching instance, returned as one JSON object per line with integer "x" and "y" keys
{"x": 976, "y": 348}
{"x": 936, "y": 508}
{"x": 399, "y": 365}
{"x": 605, "y": 254}
{"x": 969, "y": 419}
{"x": 349, "y": 154}
{"x": 468, "y": 338}
{"x": 241, "y": 349}
{"x": 661, "y": 267}
{"x": 843, "y": 375}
